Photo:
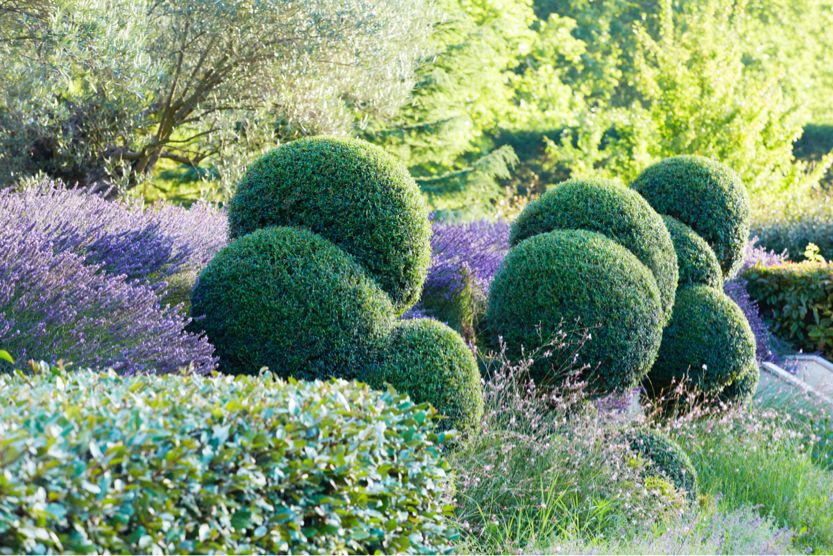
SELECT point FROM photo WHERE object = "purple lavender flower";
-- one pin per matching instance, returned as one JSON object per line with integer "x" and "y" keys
{"x": 54, "y": 306}
{"x": 476, "y": 248}
{"x": 147, "y": 245}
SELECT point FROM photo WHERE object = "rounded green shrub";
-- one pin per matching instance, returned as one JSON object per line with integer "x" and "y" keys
{"x": 575, "y": 278}
{"x": 743, "y": 388}
{"x": 705, "y": 195}
{"x": 696, "y": 261}
{"x": 665, "y": 456}
{"x": 431, "y": 363}
{"x": 616, "y": 212}
{"x": 288, "y": 299}
{"x": 351, "y": 193}
{"x": 708, "y": 344}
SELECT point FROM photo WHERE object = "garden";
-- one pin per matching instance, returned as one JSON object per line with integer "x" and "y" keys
{"x": 416, "y": 276}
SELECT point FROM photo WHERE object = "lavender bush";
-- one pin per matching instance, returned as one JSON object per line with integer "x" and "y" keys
{"x": 53, "y": 305}
{"x": 145, "y": 245}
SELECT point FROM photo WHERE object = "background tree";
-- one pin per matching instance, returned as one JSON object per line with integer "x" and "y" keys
{"x": 110, "y": 87}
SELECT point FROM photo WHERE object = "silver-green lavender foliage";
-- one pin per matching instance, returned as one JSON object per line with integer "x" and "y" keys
{"x": 94, "y": 462}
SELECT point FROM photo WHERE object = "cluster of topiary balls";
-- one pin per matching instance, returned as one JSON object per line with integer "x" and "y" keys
{"x": 642, "y": 268}
{"x": 330, "y": 244}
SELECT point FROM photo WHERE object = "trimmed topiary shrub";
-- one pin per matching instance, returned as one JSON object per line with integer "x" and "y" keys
{"x": 742, "y": 389}
{"x": 100, "y": 464}
{"x": 569, "y": 278}
{"x": 616, "y": 212}
{"x": 705, "y": 195}
{"x": 667, "y": 457}
{"x": 288, "y": 299}
{"x": 696, "y": 261}
{"x": 708, "y": 343}
{"x": 430, "y": 362}
{"x": 351, "y": 193}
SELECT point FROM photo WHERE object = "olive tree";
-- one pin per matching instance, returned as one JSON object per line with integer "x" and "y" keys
{"x": 101, "y": 90}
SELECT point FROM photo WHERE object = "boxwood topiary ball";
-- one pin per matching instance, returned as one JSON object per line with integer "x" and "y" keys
{"x": 430, "y": 362}
{"x": 696, "y": 261}
{"x": 708, "y": 343}
{"x": 288, "y": 299}
{"x": 667, "y": 457}
{"x": 742, "y": 389}
{"x": 707, "y": 196}
{"x": 568, "y": 278}
{"x": 353, "y": 194}
{"x": 616, "y": 212}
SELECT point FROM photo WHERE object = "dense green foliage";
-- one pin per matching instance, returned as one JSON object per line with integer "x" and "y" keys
{"x": 349, "y": 192}
{"x": 289, "y": 299}
{"x": 794, "y": 235}
{"x": 706, "y": 196}
{"x": 198, "y": 82}
{"x": 613, "y": 211}
{"x": 97, "y": 463}
{"x": 667, "y": 458}
{"x": 460, "y": 308}
{"x": 708, "y": 343}
{"x": 741, "y": 391}
{"x": 575, "y": 278}
{"x": 430, "y": 362}
{"x": 797, "y": 300}
{"x": 696, "y": 261}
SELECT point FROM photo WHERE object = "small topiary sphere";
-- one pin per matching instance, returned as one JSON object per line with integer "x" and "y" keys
{"x": 708, "y": 343}
{"x": 742, "y": 389}
{"x": 567, "y": 278}
{"x": 667, "y": 457}
{"x": 430, "y": 362}
{"x": 351, "y": 193}
{"x": 707, "y": 196}
{"x": 616, "y": 212}
{"x": 288, "y": 299}
{"x": 696, "y": 261}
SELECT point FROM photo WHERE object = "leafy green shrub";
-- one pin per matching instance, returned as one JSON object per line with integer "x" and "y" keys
{"x": 616, "y": 212}
{"x": 289, "y": 299}
{"x": 797, "y": 300}
{"x": 461, "y": 307}
{"x": 816, "y": 141}
{"x": 696, "y": 261}
{"x": 793, "y": 236}
{"x": 705, "y": 195}
{"x": 575, "y": 277}
{"x": 742, "y": 390}
{"x": 707, "y": 343}
{"x": 97, "y": 463}
{"x": 430, "y": 362}
{"x": 667, "y": 458}
{"x": 351, "y": 193}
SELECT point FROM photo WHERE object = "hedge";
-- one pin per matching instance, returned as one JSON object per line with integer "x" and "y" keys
{"x": 667, "y": 457}
{"x": 705, "y": 195}
{"x": 616, "y": 212}
{"x": 696, "y": 261}
{"x": 796, "y": 299}
{"x": 575, "y": 278}
{"x": 708, "y": 343}
{"x": 353, "y": 194}
{"x": 430, "y": 362}
{"x": 290, "y": 300}
{"x": 97, "y": 463}
{"x": 793, "y": 236}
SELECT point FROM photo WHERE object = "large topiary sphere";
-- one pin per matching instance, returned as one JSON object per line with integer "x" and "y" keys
{"x": 616, "y": 212}
{"x": 288, "y": 299}
{"x": 708, "y": 343}
{"x": 696, "y": 261}
{"x": 667, "y": 457}
{"x": 353, "y": 194}
{"x": 705, "y": 195}
{"x": 567, "y": 278}
{"x": 430, "y": 362}
{"x": 742, "y": 389}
